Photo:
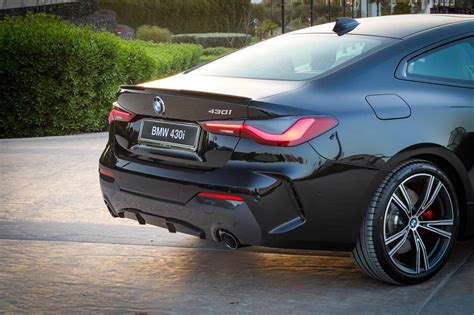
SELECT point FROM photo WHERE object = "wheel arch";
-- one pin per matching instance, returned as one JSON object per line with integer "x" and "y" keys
{"x": 451, "y": 165}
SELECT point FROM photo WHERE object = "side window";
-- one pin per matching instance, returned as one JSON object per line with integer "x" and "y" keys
{"x": 452, "y": 63}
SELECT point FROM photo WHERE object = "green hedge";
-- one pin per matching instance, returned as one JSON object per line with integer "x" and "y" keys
{"x": 231, "y": 40}
{"x": 169, "y": 59}
{"x": 57, "y": 78}
{"x": 217, "y": 51}
{"x": 183, "y": 16}
{"x": 213, "y": 53}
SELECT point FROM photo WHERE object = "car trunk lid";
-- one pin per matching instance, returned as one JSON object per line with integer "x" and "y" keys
{"x": 186, "y": 100}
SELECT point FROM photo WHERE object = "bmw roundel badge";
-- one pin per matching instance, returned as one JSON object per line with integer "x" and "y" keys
{"x": 158, "y": 105}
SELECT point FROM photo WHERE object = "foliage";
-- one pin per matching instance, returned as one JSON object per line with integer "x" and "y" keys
{"x": 467, "y": 4}
{"x": 183, "y": 16}
{"x": 231, "y": 40}
{"x": 217, "y": 51}
{"x": 386, "y": 8}
{"x": 402, "y": 8}
{"x": 320, "y": 20}
{"x": 297, "y": 24}
{"x": 57, "y": 78}
{"x": 297, "y": 11}
{"x": 254, "y": 40}
{"x": 154, "y": 34}
{"x": 265, "y": 28}
{"x": 169, "y": 59}
{"x": 212, "y": 53}
{"x": 416, "y": 7}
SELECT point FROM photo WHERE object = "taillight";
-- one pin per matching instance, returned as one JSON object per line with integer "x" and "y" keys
{"x": 295, "y": 131}
{"x": 229, "y": 128}
{"x": 106, "y": 175}
{"x": 106, "y": 172}
{"x": 120, "y": 115}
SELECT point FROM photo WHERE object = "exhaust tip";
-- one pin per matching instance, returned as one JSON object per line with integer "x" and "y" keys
{"x": 229, "y": 239}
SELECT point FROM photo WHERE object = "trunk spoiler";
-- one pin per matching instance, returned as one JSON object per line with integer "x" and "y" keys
{"x": 183, "y": 92}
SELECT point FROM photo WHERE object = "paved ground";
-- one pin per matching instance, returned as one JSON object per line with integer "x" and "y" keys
{"x": 60, "y": 251}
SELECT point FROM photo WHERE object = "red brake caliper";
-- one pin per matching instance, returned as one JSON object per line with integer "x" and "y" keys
{"x": 428, "y": 214}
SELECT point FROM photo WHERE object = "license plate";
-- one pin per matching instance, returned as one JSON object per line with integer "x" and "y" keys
{"x": 169, "y": 134}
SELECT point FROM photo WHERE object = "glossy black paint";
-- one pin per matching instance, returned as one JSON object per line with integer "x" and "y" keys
{"x": 314, "y": 195}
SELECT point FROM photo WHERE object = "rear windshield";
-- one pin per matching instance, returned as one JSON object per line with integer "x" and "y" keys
{"x": 293, "y": 57}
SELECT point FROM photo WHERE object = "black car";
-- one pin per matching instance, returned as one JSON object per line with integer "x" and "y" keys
{"x": 354, "y": 136}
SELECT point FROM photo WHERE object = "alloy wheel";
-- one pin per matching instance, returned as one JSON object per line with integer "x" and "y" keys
{"x": 418, "y": 223}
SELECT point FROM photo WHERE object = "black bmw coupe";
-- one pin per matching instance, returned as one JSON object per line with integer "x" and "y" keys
{"x": 355, "y": 136}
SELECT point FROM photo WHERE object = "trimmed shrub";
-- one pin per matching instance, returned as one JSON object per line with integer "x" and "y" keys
{"x": 169, "y": 59}
{"x": 232, "y": 40}
{"x": 57, "y": 78}
{"x": 217, "y": 51}
{"x": 154, "y": 34}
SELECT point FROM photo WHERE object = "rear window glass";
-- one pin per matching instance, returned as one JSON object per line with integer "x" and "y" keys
{"x": 293, "y": 57}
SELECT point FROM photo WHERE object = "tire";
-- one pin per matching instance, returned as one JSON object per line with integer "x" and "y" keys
{"x": 410, "y": 226}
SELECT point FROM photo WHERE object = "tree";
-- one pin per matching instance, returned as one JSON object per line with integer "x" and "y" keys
{"x": 265, "y": 28}
{"x": 402, "y": 8}
{"x": 321, "y": 20}
{"x": 297, "y": 24}
{"x": 297, "y": 11}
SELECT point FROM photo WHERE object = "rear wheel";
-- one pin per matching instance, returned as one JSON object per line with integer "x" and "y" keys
{"x": 410, "y": 227}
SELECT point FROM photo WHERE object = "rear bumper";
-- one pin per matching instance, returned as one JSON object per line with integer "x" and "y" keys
{"x": 167, "y": 197}
{"x": 196, "y": 217}
{"x": 318, "y": 204}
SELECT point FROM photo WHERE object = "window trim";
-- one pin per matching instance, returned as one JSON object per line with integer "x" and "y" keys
{"x": 402, "y": 69}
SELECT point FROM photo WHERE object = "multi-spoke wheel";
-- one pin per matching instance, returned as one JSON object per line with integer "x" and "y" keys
{"x": 410, "y": 226}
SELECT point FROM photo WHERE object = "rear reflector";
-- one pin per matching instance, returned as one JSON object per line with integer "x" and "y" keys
{"x": 220, "y": 196}
{"x": 300, "y": 131}
{"x": 106, "y": 173}
{"x": 119, "y": 115}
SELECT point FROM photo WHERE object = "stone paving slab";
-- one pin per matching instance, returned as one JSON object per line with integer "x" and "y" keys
{"x": 60, "y": 251}
{"x": 83, "y": 277}
{"x": 456, "y": 296}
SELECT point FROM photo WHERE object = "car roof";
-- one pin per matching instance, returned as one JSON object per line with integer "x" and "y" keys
{"x": 396, "y": 26}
